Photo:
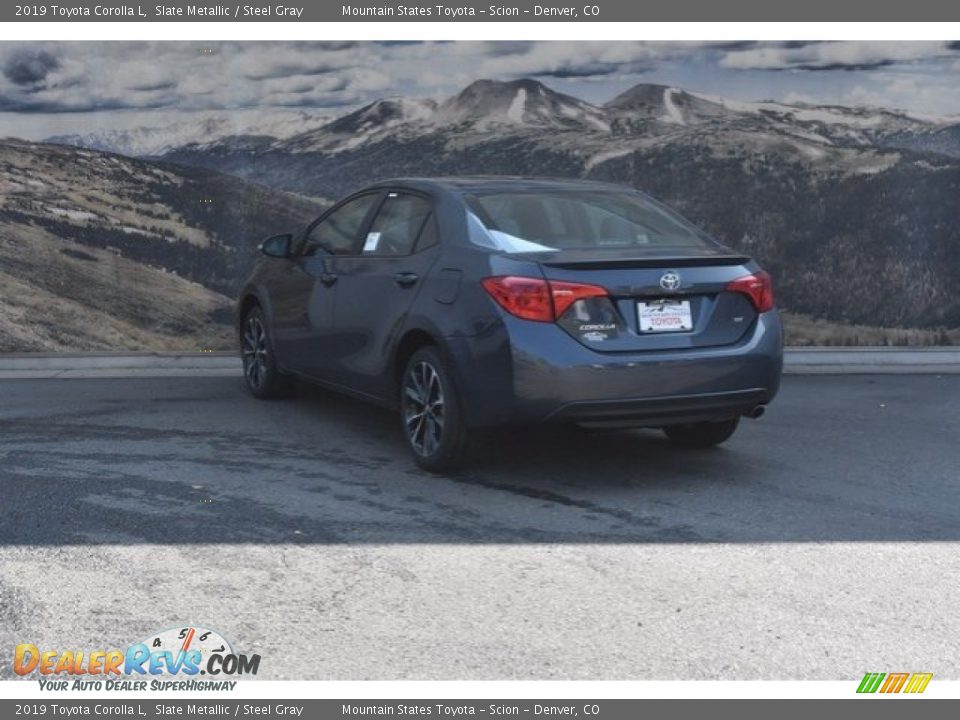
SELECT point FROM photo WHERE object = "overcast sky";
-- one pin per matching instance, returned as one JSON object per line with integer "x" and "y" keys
{"x": 57, "y": 87}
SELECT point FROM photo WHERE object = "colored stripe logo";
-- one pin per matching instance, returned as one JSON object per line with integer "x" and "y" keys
{"x": 888, "y": 683}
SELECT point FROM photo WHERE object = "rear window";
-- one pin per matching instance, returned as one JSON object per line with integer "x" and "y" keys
{"x": 540, "y": 221}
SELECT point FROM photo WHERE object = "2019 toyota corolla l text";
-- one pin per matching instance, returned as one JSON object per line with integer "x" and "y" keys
{"x": 465, "y": 303}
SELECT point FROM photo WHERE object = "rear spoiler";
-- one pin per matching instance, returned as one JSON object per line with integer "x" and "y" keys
{"x": 648, "y": 262}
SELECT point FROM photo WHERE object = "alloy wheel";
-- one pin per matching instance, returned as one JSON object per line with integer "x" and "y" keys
{"x": 423, "y": 408}
{"x": 254, "y": 348}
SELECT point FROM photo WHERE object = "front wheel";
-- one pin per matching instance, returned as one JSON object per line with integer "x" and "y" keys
{"x": 430, "y": 413}
{"x": 260, "y": 371}
{"x": 702, "y": 434}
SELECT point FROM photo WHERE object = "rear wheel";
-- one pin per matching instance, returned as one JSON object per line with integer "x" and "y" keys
{"x": 430, "y": 413}
{"x": 260, "y": 371}
{"x": 703, "y": 434}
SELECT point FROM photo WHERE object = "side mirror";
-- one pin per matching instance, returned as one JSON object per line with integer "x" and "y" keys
{"x": 277, "y": 246}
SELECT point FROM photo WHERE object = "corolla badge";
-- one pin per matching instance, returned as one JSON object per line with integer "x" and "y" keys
{"x": 670, "y": 281}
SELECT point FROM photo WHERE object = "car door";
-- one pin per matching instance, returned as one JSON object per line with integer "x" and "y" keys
{"x": 376, "y": 287}
{"x": 304, "y": 295}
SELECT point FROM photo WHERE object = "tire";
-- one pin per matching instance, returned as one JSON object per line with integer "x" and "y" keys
{"x": 703, "y": 434}
{"x": 430, "y": 413}
{"x": 260, "y": 372}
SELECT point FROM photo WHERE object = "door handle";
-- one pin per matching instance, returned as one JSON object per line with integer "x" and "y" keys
{"x": 405, "y": 279}
{"x": 328, "y": 278}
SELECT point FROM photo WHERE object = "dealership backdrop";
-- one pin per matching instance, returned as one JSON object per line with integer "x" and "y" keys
{"x": 137, "y": 178}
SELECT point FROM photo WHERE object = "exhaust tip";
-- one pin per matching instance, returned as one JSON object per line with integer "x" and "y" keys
{"x": 756, "y": 412}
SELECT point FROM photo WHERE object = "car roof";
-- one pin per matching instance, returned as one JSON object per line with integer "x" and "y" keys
{"x": 497, "y": 183}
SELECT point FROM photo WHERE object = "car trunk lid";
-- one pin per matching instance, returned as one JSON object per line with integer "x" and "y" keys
{"x": 661, "y": 299}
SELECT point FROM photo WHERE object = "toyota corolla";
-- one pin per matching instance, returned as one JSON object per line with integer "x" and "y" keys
{"x": 466, "y": 303}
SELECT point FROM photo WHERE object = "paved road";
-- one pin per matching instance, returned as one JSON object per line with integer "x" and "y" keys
{"x": 823, "y": 541}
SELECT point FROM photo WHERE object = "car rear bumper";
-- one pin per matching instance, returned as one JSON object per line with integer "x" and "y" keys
{"x": 667, "y": 410}
{"x": 542, "y": 374}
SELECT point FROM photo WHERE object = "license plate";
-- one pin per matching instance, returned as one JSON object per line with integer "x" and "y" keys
{"x": 665, "y": 316}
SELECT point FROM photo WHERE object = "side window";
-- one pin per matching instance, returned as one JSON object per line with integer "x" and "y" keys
{"x": 337, "y": 233}
{"x": 428, "y": 235}
{"x": 397, "y": 225}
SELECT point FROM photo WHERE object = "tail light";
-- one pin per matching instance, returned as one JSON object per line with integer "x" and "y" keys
{"x": 535, "y": 298}
{"x": 758, "y": 287}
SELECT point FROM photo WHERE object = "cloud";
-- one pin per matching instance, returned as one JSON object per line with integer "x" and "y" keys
{"x": 152, "y": 87}
{"x": 799, "y": 98}
{"x": 917, "y": 94}
{"x": 584, "y": 59}
{"x": 28, "y": 67}
{"x": 509, "y": 47}
{"x": 74, "y": 77}
{"x": 585, "y": 70}
{"x": 824, "y": 56}
{"x": 78, "y": 77}
{"x": 286, "y": 69}
{"x": 736, "y": 44}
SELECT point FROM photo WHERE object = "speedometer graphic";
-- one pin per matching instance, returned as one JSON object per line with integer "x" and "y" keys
{"x": 186, "y": 639}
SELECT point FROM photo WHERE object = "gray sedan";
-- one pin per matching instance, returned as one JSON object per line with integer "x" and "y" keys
{"x": 465, "y": 303}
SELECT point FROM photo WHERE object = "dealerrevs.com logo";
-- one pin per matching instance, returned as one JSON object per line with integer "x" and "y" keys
{"x": 173, "y": 659}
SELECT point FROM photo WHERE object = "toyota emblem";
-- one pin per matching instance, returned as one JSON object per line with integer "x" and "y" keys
{"x": 670, "y": 281}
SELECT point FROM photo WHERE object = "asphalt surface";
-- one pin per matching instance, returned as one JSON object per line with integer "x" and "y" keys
{"x": 821, "y": 542}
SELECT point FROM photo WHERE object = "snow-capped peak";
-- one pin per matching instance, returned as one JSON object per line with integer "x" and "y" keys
{"x": 200, "y": 129}
{"x": 665, "y": 104}
{"x": 673, "y": 112}
{"x": 485, "y": 104}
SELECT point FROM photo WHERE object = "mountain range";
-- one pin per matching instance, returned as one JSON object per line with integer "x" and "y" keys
{"x": 104, "y": 252}
{"x": 853, "y": 210}
{"x": 198, "y": 130}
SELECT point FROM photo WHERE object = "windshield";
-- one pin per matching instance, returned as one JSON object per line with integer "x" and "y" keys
{"x": 540, "y": 221}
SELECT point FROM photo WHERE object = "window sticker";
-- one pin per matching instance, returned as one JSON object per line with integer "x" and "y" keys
{"x": 370, "y": 244}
